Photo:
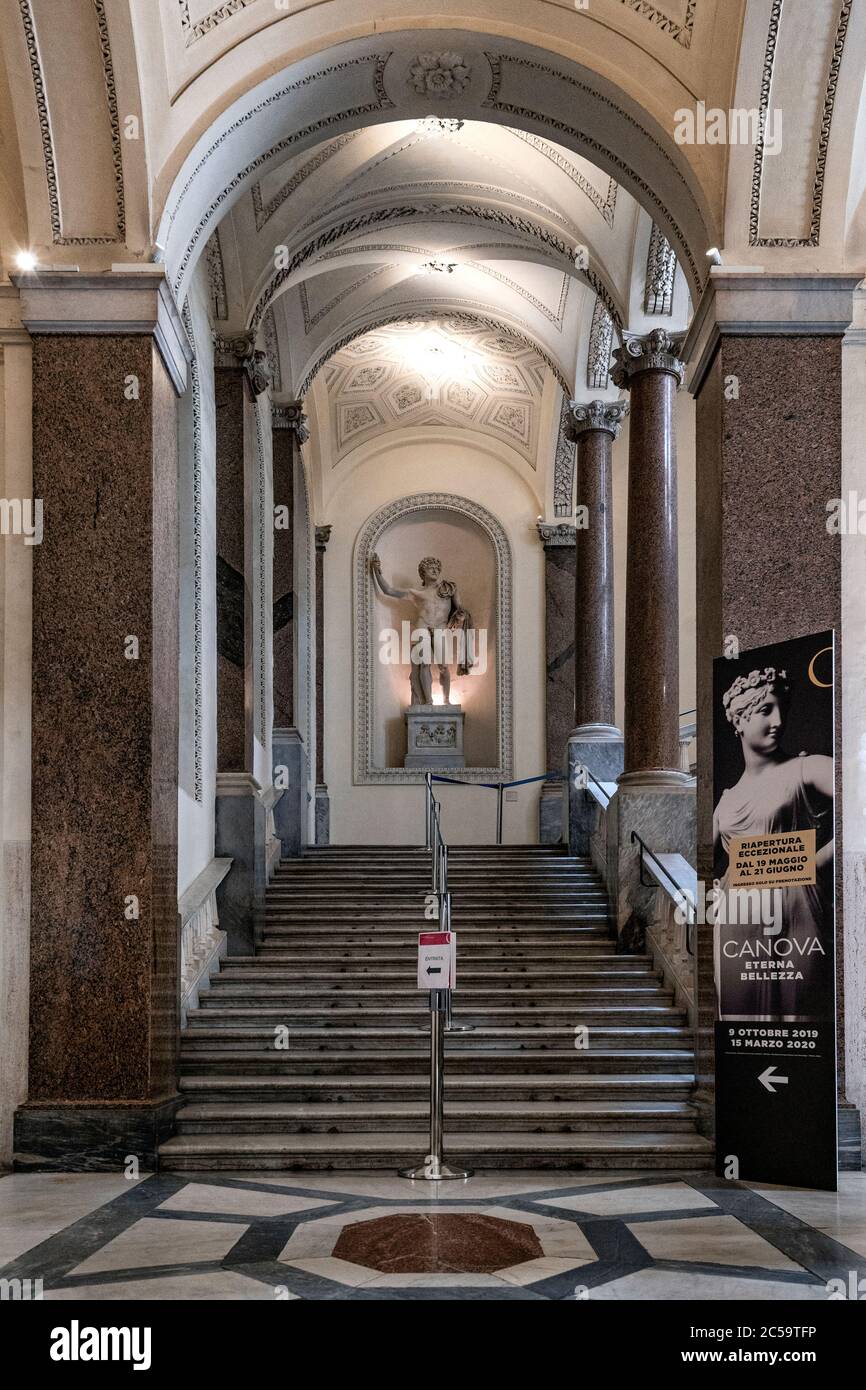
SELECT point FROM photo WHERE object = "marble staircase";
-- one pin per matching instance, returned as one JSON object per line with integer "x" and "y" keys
{"x": 334, "y": 978}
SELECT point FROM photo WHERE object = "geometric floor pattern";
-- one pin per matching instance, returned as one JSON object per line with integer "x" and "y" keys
{"x": 594, "y": 1236}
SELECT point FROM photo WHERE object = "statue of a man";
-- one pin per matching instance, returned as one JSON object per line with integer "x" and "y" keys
{"x": 437, "y": 609}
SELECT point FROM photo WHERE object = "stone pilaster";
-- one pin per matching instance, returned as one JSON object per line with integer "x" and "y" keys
{"x": 240, "y": 374}
{"x": 290, "y": 431}
{"x": 323, "y": 808}
{"x": 558, "y": 542}
{"x": 776, "y": 368}
{"x": 109, "y": 358}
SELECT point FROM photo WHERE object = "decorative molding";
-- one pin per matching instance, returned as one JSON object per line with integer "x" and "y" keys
{"x": 555, "y": 537}
{"x": 605, "y": 205}
{"x": 323, "y": 535}
{"x": 290, "y": 416}
{"x": 198, "y": 585}
{"x": 311, "y": 320}
{"x": 264, "y": 605}
{"x": 216, "y": 276}
{"x": 264, "y": 211}
{"x": 682, "y": 31}
{"x": 492, "y": 101}
{"x": 240, "y": 351}
{"x": 658, "y": 351}
{"x": 563, "y": 466}
{"x": 554, "y": 316}
{"x": 272, "y": 350}
{"x": 595, "y": 415}
{"x": 197, "y": 29}
{"x": 381, "y": 102}
{"x": 661, "y": 268}
{"x": 814, "y": 237}
{"x": 202, "y": 944}
{"x": 362, "y": 221}
{"x": 440, "y": 76}
{"x": 433, "y": 188}
{"x": 600, "y": 348}
{"x": 47, "y": 138}
{"x": 365, "y": 773}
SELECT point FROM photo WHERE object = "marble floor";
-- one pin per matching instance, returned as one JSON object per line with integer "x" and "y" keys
{"x": 603, "y": 1236}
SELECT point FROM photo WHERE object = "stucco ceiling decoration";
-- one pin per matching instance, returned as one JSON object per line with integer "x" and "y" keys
{"x": 605, "y": 203}
{"x": 796, "y": 188}
{"x": 436, "y": 372}
{"x": 681, "y": 29}
{"x": 195, "y": 24}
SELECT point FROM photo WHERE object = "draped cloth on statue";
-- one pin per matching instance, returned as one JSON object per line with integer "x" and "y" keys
{"x": 773, "y": 970}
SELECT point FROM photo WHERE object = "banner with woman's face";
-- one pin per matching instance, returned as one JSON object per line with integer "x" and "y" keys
{"x": 774, "y": 927}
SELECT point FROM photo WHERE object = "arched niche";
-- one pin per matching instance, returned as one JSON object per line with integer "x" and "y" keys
{"x": 475, "y": 552}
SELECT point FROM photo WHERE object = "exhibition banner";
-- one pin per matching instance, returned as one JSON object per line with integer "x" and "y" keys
{"x": 774, "y": 929}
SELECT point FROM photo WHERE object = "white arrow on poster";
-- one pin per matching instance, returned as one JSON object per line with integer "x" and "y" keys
{"x": 437, "y": 957}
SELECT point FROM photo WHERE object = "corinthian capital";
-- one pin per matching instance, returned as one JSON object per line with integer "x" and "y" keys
{"x": 239, "y": 350}
{"x": 657, "y": 351}
{"x": 595, "y": 415}
{"x": 290, "y": 416}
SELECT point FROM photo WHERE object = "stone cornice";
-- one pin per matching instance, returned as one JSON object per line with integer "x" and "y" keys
{"x": 596, "y": 415}
{"x": 746, "y": 301}
{"x": 117, "y": 302}
{"x": 658, "y": 351}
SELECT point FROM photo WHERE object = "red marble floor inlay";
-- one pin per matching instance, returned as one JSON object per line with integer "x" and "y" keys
{"x": 470, "y": 1243}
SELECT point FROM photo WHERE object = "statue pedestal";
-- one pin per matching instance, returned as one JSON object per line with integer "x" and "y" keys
{"x": 434, "y": 736}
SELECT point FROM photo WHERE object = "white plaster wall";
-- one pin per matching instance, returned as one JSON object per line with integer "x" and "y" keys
{"x": 685, "y": 427}
{"x": 195, "y": 819}
{"x": 442, "y": 461}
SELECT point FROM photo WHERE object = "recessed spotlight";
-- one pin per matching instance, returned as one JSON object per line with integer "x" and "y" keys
{"x": 25, "y": 260}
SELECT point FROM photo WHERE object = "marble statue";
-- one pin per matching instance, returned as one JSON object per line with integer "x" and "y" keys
{"x": 438, "y": 614}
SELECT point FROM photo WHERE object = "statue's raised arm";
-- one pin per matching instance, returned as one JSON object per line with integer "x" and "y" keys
{"x": 376, "y": 570}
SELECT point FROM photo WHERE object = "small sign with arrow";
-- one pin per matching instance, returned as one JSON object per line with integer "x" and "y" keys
{"x": 770, "y": 1080}
{"x": 436, "y": 959}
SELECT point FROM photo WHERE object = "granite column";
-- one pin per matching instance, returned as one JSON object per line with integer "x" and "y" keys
{"x": 290, "y": 431}
{"x": 557, "y": 539}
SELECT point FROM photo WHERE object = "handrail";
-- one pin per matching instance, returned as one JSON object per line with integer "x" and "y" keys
{"x": 679, "y": 891}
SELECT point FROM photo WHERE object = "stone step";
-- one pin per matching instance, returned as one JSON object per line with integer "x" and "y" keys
{"x": 517, "y": 958}
{"x": 327, "y": 1061}
{"x": 369, "y": 1014}
{"x": 565, "y": 1087}
{"x": 483, "y": 1039}
{"x": 276, "y": 995}
{"x": 388, "y": 919}
{"x": 528, "y": 1117}
{"x": 594, "y": 1149}
{"x": 300, "y": 966}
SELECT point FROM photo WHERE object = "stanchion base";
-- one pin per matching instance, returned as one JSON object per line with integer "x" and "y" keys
{"x": 459, "y": 1027}
{"x": 432, "y": 1170}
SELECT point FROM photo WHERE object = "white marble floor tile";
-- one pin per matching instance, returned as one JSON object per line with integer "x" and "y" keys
{"x": 530, "y": 1271}
{"x": 154, "y": 1241}
{"x": 711, "y": 1240}
{"x": 673, "y": 1287}
{"x": 674, "y": 1196}
{"x": 203, "y": 1197}
{"x": 343, "y": 1271}
{"x": 34, "y": 1206}
{"x": 223, "y": 1284}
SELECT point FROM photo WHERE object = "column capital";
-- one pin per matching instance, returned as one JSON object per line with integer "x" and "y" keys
{"x": 289, "y": 415}
{"x": 323, "y": 535}
{"x": 240, "y": 350}
{"x": 595, "y": 415}
{"x": 553, "y": 534}
{"x": 658, "y": 351}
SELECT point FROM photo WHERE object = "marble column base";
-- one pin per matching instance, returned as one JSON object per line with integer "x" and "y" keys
{"x": 92, "y": 1138}
{"x": 241, "y": 833}
{"x": 323, "y": 815}
{"x": 604, "y": 758}
{"x": 290, "y": 812}
{"x": 551, "y": 813}
{"x": 665, "y": 817}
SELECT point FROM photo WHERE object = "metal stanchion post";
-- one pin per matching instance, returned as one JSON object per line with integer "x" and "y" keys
{"x": 499, "y": 786}
{"x": 445, "y": 923}
{"x": 434, "y": 1168}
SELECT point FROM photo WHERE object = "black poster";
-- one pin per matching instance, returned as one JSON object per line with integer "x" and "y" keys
{"x": 773, "y": 913}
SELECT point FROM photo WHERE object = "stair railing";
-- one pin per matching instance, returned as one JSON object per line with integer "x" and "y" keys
{"x": 498, "y": 787}
{"x": 439, "y": 854}
{"x": 675, "y": 890}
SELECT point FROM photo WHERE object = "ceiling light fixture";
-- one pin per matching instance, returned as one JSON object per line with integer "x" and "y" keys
{"x": 714, "y": 255}
{"x": 438, "y": 125}
{"x": 438, "y": 267}
{"x": 26, "y": 261}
